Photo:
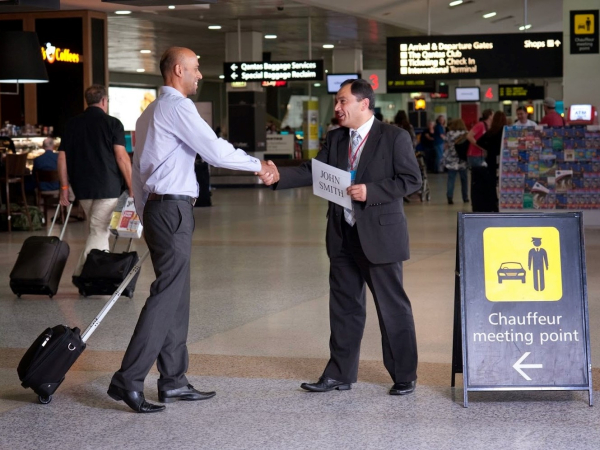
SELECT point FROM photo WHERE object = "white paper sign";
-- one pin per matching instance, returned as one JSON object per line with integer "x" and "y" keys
{"x": 331, "y": 183}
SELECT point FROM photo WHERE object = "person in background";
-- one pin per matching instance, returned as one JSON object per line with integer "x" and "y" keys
{"x": 401, "y": 120}
{"x": 47, "y": 161}
{"x": 457, "y": 131}
{"x": 551, "y": 117}
{"x": 491, "y": 142}
{"x": 335, "y": 123}
{"x": 427, "y": 143}
{"x": 93, "y": 159}
{"x": 523, "y": 119}
{"x": 475, "y": 156}
{"x": 439, "y": 139}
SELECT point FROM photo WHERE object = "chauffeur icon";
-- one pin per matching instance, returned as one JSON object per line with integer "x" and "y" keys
{"x": 538, "y": 258}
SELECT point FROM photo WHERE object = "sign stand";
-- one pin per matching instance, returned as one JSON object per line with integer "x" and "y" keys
{"x": 521, "y": 320}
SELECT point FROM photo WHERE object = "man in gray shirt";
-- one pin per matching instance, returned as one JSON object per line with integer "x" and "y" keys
{"x": 170, "y": 133}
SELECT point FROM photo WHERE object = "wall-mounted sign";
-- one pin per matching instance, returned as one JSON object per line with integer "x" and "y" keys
{"x": 274, "y": 84}
{"x": 584, "y": 31}
{"x": 411, "y": 85}
{"x": 523, "y": 55}
{"x": 489, "y": 92}
{"x": 51, "y": 53}
{"x": 377, "y": 79}
{"x": 273, "y": 71}
{"x": 520, "y": 92}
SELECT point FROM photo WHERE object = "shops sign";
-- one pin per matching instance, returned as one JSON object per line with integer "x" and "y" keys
{"x": 51, "y": 53}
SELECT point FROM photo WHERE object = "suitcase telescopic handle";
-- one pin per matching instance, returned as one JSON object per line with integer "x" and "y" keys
{"x": 92, "y": 327}
{"x": 64, "y": 227}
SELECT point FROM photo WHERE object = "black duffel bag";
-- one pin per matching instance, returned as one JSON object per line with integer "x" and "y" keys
{"x": 103, "y": 272}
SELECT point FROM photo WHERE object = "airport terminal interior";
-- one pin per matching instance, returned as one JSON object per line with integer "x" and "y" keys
{"x": 259, "y": 317}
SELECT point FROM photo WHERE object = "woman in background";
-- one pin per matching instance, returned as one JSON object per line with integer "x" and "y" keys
{"x": 401, "y": 120}
{"x": 457, "y": 132}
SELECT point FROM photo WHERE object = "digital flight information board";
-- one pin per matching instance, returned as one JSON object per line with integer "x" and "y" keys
{"x": 522, "y": 55}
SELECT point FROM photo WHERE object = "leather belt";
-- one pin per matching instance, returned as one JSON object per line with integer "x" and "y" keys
{"x": 160, "y": 198}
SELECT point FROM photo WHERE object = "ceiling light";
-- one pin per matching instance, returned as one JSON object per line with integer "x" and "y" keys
{"x": 456, "y": 2}
{"x": 222, "y": 77}
{"x": 328, "y": 45}
{"x": 140, "y": 70}
{"x": 270, "y": 36}
{"x": 317, "y": 85}
{"x": 171, "y": 7}
{"x": 214, "y": 27}
{"x": 525, "y": 27}
{"x": 145, "y": 51}
{"x": 326, "y": 71}
{"x": 488, "y": 15}
{"x": 122, "y": 13}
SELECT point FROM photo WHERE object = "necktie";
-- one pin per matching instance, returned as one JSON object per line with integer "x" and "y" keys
{"x": 355, "y": 138}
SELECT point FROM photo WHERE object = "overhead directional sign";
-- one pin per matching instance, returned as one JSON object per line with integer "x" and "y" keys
{"x": 523, "y": 55}
{"x": 521, "y": 304}
{"x": 273, "y": 71}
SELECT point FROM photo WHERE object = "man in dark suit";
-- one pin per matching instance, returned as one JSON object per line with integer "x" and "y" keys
{"x": 366, "y": 245}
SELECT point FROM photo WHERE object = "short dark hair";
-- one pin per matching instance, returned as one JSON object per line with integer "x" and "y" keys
{"x": 521, "y": 108}
{"x": 487, "y": 113}
{"x": 361, "y": 89}
{"x": 94, "y": 94}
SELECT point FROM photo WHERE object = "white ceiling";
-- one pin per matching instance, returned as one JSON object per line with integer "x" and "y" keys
{"x": 346, "y": 24}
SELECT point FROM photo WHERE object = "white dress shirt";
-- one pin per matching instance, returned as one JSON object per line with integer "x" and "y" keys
{"x": 169, "y": 134}
{"x": 363, "y": 131}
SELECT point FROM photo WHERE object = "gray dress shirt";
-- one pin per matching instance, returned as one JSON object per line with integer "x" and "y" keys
{"x": 169, "y": 134}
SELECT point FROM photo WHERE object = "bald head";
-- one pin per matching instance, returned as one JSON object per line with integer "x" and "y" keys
{"x": 171, "y": 57}
{"x": 48, "y": 144}
{"x": 180, "y": 70}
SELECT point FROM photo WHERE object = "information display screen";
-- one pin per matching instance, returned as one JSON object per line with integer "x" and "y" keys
{"x": 467, "y": 94}
{"x": 520, "y": 92}
{"x": 580, "y": 112}
{"x": 522, "y": 55}
{"x": 127, "y": 104}
{"x": 334, "y": 80}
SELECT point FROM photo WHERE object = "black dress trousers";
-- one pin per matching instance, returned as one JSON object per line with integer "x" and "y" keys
{"x": 350, "y": 271}
{"x": 161, "y": 331}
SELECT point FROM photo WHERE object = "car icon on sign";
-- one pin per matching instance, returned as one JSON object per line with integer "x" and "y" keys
{"x": 511, "y": 271}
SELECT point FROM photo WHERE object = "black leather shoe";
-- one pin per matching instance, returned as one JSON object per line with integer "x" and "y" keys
{"x": 184, "y": 393}
{"x": 326, "y": 384}
{"x": 407, "y": 387}
{"x": 134, "y": 399}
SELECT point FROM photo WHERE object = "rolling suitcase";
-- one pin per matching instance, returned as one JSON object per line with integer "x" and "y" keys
{"x": 41, "y": 262}
{"x": 104, "y": 271}
{"x": 47, "y": 361}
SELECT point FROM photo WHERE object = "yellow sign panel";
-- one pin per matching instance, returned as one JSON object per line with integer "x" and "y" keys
{"x": 584, "y": 24}
{"x": 522, "y": 264}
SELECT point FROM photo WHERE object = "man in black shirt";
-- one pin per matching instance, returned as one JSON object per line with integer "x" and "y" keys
{"x": 92, "y": 157}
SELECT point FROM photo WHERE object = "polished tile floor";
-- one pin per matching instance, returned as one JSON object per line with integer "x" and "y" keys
{"x": 258, "y": 328}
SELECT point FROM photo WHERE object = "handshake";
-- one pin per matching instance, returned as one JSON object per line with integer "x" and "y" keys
{"x": 269, "y": 173}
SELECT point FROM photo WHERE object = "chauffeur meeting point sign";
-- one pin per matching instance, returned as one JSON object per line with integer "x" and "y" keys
{"x": 521, "y": 313}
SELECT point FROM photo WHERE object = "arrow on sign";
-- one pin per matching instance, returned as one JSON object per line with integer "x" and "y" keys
{"x": 518, "y": 366}
{"x": 234, "y": 75}
{"x": 234, "y": 67}
{"x": 557, "y": 43}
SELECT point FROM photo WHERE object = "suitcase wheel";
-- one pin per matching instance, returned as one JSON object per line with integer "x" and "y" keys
{"x": 50, "y": 295}
{"x": 44, "y": 400}
{"x": 130, "y": 295}
{"x": 18, "y": 295}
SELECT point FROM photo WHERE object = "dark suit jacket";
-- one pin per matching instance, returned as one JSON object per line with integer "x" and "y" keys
{"x": 390, "y": 171}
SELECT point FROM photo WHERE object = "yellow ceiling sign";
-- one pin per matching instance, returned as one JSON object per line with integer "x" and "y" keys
{"x": 51, "y": 53}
